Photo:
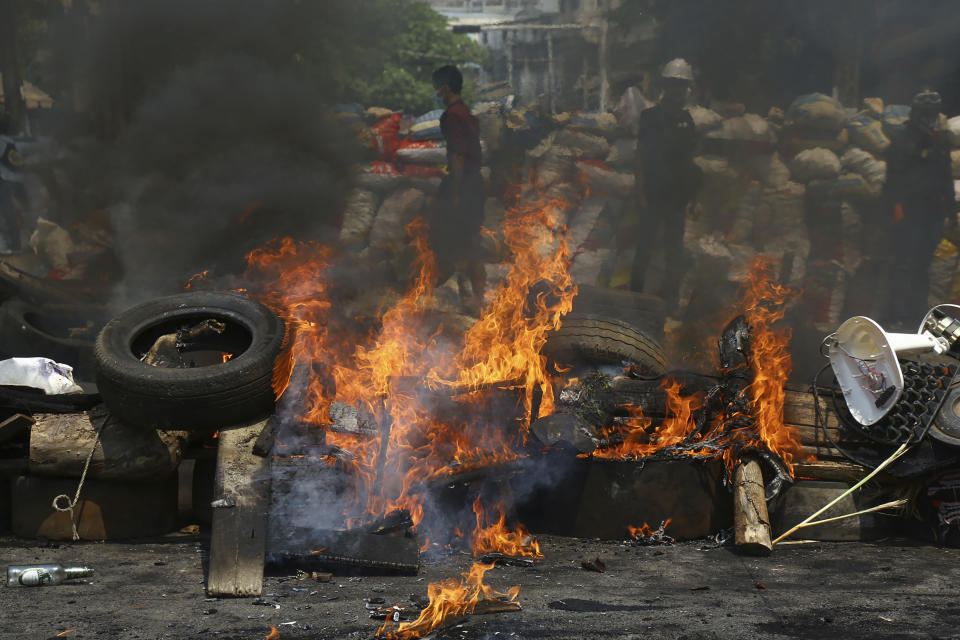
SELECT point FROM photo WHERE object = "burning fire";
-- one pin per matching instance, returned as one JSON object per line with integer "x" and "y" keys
{"x": 497, "y": 537}
{"x": 763, "y": 303}
{"x": 645, "y": 530}
{"x": 399, "y": 373}
{"x": 448, "y": 598}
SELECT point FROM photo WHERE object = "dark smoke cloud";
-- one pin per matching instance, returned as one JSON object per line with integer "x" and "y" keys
{"x": 218, "y": 134}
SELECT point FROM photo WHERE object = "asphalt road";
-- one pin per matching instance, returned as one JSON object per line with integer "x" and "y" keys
{"x": 891, "y": 589}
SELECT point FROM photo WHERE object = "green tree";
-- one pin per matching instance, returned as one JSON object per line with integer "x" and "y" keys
{"x": 421, "y": 43}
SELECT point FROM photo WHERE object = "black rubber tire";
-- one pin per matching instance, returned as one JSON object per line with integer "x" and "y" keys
{"x": 598, "y": 340}
{"x": 28, "y": 330}
{"x": 220, "y": 395}
{"x": 646, "y": 312}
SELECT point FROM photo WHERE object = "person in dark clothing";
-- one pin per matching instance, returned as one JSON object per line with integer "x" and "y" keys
{"x": 666, "y": 179}
{"x": 455, "y": 225}
{"x": 919, "y": 198}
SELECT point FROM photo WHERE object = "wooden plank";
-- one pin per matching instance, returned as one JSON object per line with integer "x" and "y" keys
{"x": 14, "y": 427}
{"x": 798, "y": 409}
{"x": 834, "y": 470}
{"x": 239, "y": 530}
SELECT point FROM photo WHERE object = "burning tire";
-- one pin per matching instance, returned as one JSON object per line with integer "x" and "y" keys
{"x": 645, "y": 312}
{"x": 63, "y": 333}
{"x": 594, "y": 339}
{"x": 228, "y": 381}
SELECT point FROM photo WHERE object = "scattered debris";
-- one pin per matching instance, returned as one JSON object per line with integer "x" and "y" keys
{"x": 596, "y": 564}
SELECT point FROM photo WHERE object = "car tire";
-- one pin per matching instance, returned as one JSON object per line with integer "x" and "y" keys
{"x": 210, "y": 395}
{"x": 599, "y": 340}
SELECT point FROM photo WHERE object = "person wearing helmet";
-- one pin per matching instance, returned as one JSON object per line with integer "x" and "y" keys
{"x": 666, "y": 179}
{"x": 919, "y": 197}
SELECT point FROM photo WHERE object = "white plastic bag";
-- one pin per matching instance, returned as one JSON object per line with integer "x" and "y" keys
{"x": 39, "y": 373}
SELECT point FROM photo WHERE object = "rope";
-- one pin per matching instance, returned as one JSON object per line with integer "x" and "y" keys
{"x": 83, "y": 476}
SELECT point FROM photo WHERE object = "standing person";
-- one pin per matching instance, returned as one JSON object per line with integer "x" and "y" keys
{"x": 919, "y": 197}
{"x": 455, "y": 227}
{"x": 12, "y": 194}
{"x": 666, "y": 179}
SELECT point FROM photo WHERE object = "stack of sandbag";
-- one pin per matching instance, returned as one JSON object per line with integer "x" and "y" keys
{"x": 814, "y": 121}
{"x": 865, "y": 129}
{"x": 863, "y": 163}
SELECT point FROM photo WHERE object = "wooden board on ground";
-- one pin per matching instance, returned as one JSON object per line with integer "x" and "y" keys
{"x": 241, "y": 502}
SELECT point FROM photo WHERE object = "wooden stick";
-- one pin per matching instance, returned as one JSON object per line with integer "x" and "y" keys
{"x": 750, "y": 516}
{"x": 888, "y": 505}
{"x": 883, "y": 465}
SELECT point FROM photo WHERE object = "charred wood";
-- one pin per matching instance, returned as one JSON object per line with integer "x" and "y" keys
{"x": 317, "y": 548}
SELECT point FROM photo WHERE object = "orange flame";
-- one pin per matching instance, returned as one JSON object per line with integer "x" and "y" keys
{"x": 450, "y": 597}
{"x": 497, "y": 537}
{"x": 762, "y": 302}
{"x": 392, "y": 373}
{"x": 645, "y": 530}
{"x": 765, "y": 302}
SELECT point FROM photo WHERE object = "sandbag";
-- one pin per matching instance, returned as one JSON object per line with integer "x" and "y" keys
{"x": 953, "y": 131}
{"x": 716, "y": 169}
{"x": 856, "y": 160}
{"x": 704, "y": 119}
{"x": 379, "y": 176}
{"x": 604, "y": 180}
{"x": 583, "y": 144}
{"x": 385, "y": 136}
{"x": 378, "y": 113}
{"x": 430, "y": 152}
{"x": 523, "y": 120}
{"x": 593, "y": 121}
{"x": 895, "y": 117}
{"x": 767, "y": 168}
{"x": 52, "y": 243}
{"x": 358, "y": 215}
{"x": 427, "y": 126}
{"x": 814, "y": 164}
{"x": 867, "y": 133}
{"x": 816, "y": 111}
{"x": 793, "y": 141}
{"x": 849, "y": 186}
{"x": 873, "y": 107}
{"x": 556, "y": 164}
{"x": 393, "y": 216}
{"x": 748, "y": 127}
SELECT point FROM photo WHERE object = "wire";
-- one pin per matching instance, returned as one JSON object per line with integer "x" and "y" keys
{"x": 822, "y": 423}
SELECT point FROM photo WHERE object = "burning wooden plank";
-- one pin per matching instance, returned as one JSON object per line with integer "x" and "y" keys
{"x": 344, "y": 548}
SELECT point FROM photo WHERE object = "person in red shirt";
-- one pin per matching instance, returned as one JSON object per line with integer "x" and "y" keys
{"x": 458, "y": 216}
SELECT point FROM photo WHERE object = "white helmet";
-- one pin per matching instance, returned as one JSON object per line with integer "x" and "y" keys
{"x": 679, "y": 69}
